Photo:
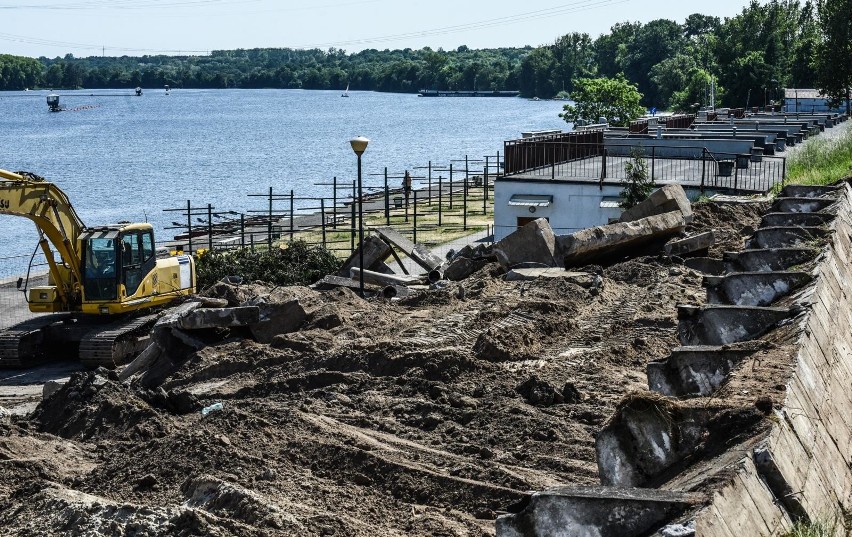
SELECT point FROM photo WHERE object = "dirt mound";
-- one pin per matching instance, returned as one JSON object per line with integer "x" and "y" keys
{"x": 421, "y": 416}
{"x": 94, "y": 405}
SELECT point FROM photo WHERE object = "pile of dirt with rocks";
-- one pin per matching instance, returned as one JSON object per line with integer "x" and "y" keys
{"x": 423, "y": 416}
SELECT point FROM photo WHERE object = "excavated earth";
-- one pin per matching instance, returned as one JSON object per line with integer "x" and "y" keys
{"x": 424, "y": 416}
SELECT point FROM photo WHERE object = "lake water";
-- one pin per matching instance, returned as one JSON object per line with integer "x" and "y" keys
{"x": 121, "y": 157}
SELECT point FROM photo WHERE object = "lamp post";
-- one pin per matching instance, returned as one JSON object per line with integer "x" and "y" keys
{"x": 359, "y": 145}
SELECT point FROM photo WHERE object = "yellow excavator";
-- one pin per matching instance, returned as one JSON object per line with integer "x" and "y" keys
{"x": 101, "y": 289}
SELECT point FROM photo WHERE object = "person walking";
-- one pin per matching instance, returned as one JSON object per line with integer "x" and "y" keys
{"x": 406, "y": 185}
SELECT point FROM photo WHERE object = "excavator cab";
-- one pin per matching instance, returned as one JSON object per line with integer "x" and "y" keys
{"x": 100, "y": 272}
{"x": 115, "y": 262}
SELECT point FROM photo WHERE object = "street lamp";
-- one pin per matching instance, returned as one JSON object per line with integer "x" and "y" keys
{"x": 359, "y": 145}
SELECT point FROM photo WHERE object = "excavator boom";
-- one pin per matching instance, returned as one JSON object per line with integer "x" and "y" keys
{"x": 30, "y": 196}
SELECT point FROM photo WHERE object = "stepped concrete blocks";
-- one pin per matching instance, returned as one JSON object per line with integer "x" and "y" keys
{"x": 753, "y": 288}
{"x": 723, "y": 325}
{"x": 663, "y": 200}
{"x": 801, "y": 205}
{"x": 767, "y": 259}
{"x": 810, "y": 191}
{"x": 786, "y": 237}
{"x": 705, "y": 265}
{"x": 694, "y": 371}
{"x": 646, "y": 437}
{"x": 595, "y": 512}
{"x": 617, "y": 239}
{"x": 689, "y": 245}
{"x": 796, "y": 219}
{"x": 534, "y": 242}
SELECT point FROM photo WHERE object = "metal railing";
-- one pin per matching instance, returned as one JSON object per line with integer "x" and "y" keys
{"x": 695, "y": 166}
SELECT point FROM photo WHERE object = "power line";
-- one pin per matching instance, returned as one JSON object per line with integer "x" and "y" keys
{"x": 580, "y": 5}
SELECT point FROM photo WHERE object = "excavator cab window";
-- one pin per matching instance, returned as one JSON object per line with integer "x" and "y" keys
{"x": 99, "y": 269}
{"x": 137, "y": 258}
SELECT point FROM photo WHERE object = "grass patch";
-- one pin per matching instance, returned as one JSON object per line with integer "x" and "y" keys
{"x": 821, "y": 161}
{"x": 817, "y": 528}
{"x": 480, "y": 214}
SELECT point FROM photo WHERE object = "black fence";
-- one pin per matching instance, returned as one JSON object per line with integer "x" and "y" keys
{"x": 443, "y": 196}
{"x": 694, "y": 166}
{"x": 533, "y": 153}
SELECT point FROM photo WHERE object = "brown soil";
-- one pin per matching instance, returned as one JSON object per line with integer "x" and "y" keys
{"x": 426, "y": 416}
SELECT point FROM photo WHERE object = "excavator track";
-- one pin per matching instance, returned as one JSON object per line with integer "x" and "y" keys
{"x": 22, "y": 345}
{"x": 112, "y": 344}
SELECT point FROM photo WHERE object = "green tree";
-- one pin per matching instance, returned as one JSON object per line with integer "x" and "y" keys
{"x": 652, "y": 43}
{"x": 615, "y": 99}
{"x": 834, "y": 53}
{"x": 637, "y": 185}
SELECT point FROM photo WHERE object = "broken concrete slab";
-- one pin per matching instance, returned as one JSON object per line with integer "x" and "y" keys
{"x": 462, "y": 267}
{"x": 417, "y": 252}
{"x": 722, "y": 325}
{"x": 202, "y": 318}
{"x": 595, "y": 512}
{"x": 583, "y": 279}
{"x": 663, "y": 200}
{"x": 383, "y": 280}
{"x": 695, "y": 371}
{"x": 534, "y": 242}
{"x": 786, "y": 237}
{"x": 753, "y": 288}
{"x": 376, "y": 251}
{"x": 691, "y": 245}
{"x": 331, "y": 281}
{"x": 768, "y": 259}
{"x": 277, "y": 318}
{"x": 617, "y": 239}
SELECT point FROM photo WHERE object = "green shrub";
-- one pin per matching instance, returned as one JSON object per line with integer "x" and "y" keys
{"x": 296, "y": 264}
{"x": 637, "y": 185}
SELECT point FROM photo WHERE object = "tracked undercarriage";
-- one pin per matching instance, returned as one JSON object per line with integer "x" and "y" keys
{"x": 94, "y": 341}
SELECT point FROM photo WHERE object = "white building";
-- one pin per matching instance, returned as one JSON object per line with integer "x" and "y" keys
{"x": 569, "y": 205}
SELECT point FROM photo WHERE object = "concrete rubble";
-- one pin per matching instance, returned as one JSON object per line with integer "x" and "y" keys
{"x": 618, "y": 240}
{"x": 663, "y": 200}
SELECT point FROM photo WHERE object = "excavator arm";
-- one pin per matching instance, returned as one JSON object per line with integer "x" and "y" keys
{"x": 59, "y": 226}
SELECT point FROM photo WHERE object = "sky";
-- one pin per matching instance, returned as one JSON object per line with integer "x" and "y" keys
{"x": 136, "y": 27}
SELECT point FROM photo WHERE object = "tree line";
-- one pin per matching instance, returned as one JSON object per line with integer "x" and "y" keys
{"x": 748, "y": 59}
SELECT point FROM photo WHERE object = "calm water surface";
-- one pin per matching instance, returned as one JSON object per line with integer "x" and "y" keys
{"x": 128, "y": 158}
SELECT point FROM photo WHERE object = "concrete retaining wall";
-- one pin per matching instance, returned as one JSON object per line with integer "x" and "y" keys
{"x": 811, "y": 445}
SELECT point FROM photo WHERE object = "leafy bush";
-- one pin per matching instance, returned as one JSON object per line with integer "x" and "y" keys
{"x": 637, "y": 185}
{"x": 297, "y": 264}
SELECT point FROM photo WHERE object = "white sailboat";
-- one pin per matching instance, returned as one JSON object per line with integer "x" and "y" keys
{"x": 346, "y": 92}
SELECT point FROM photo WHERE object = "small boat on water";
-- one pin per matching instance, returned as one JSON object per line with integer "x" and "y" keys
{"x": 345, "y": 92}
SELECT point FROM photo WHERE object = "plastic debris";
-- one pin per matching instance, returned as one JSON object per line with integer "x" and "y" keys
{"x": 212, "y": 408}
